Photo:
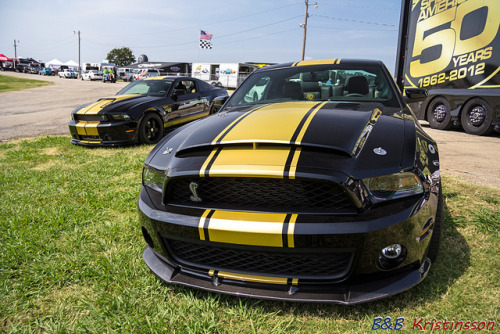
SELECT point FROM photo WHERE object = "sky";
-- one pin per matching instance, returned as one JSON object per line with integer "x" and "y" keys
{"x": 169, "y": 30}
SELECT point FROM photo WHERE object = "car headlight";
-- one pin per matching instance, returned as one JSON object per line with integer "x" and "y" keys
{"x": 153, "y": 178}
{"x": 392, "y": 186}
{"x": 119, "y": 117}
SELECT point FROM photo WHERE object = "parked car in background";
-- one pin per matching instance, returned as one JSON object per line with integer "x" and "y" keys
{"x": 147, "y": 73}
{"x": 46, "y": 71}
{"x": 303, "y": 191}
{"x": 143, "y": 110}
{"x": 126, "y": 74}
{"x": 68, "y": 74}
{"x": 34, "y": 70}
{"x": 92, "y": 75}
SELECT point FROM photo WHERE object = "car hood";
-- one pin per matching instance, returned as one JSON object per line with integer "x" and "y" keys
{"x": 353, "y": 138}
{"x": 112, "y": 103}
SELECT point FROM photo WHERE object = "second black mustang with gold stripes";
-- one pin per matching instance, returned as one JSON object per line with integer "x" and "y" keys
{"x": 314, "y": 182}
{"x": 143, "y": 111}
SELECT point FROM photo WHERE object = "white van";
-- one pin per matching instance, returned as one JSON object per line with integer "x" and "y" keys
{"x": 126, "y": 74}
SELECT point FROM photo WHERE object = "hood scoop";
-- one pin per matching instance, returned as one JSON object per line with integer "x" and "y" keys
{"x": 203, "y": 150}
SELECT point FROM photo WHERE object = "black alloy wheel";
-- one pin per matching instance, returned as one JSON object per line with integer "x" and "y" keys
{"x": 151, "y": 129}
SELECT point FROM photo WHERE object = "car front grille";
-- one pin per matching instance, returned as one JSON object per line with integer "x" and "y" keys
{"x": 259, "y": 194}
{"x": 292, "y": 263}
{"x": 90, "y": 118}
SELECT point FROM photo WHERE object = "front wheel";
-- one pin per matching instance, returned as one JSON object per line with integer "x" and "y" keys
{"x": 439, "y": 114}
{"x": 477, "y": 117}
{"x": 151, "y": 129}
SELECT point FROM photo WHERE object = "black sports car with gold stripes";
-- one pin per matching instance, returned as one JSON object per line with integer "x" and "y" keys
{"x": 314, "y": 182}
{"x": 143, "y": 110}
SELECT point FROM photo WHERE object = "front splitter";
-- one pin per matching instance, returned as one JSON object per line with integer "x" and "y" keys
{"x": 345, "y": 294}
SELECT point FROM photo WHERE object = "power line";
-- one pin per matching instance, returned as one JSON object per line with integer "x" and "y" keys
{"x": 259, "y": 27}
{"x": 215, "y": 38}
{"x": 355, "y": 21}
{"x": 352, "y": 29}
{"x": 202, "y": 25}
{"x": 350, "y": 5}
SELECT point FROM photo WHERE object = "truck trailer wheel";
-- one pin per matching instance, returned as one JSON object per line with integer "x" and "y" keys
{"x": 439, "y": 114}
{"x": 476, "y": 117}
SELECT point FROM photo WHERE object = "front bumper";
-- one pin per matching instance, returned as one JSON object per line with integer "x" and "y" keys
{"x": 360, "y": 281}
{"x": 94, "y": 133}
{"x": 346, "y": 294}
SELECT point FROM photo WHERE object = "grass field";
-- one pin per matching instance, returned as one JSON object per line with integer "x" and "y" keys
{"x": 71, "y": 258}
{"x": 8, "y": 83}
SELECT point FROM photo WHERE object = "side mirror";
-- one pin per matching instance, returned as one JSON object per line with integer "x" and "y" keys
{"x": 415, "y": 94}
{"x": 219, "y": 101}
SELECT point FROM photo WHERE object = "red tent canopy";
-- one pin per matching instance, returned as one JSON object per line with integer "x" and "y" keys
{"x": 5, "y": 58}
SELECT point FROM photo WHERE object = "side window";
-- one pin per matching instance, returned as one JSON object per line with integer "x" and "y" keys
{"x": 256, "y": 93}
{"x": 190, "y": 87}
{"x": 180, "y": 88}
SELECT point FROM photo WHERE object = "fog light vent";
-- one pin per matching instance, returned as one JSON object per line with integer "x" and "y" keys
{"x": 391, "y": 256}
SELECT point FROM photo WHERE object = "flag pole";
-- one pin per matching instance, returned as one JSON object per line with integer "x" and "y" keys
{"x": 199, "y": 32}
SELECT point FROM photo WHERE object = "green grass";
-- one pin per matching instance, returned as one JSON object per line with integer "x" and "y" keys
{"x": 8, "y": 83}
{"x": 71, "y": 261}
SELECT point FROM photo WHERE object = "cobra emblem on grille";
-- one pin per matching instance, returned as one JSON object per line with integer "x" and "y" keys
{"x": 193, "y": 186}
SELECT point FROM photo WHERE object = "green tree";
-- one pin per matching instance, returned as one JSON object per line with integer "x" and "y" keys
{"x": 121, "y": 56}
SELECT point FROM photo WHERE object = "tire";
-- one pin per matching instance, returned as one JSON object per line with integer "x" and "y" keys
{"x": 151, "y": 129}
{"x": 439, "y": 114}
{"x": 436, "y": 233}
{"x": 477, "y": 117}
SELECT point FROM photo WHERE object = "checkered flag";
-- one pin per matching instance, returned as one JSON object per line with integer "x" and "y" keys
{"x": 204, "y": 44}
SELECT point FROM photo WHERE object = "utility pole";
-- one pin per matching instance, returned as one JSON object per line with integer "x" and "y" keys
{"x": 305, "y": 30}
{"x": 304, "y": 25}
{"x": 79, "y": 62}
{"x": 15, "y": 52}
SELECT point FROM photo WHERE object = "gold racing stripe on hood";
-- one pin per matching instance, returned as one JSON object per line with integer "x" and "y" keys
{"x": 248, "y": 228}
{"x": 96, "y": 107}
{"x": 283, "y": 124}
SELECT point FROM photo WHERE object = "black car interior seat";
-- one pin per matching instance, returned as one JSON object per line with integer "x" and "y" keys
{"x": 356, "y": 86}
{"x": 293, "y": 90}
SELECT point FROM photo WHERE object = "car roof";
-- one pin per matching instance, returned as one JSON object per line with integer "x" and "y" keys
{"x": 333, "y": 61}
{"x": 170, "y": 77}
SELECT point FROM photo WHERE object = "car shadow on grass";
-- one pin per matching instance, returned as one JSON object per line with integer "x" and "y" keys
{"x": 453, "y": 260}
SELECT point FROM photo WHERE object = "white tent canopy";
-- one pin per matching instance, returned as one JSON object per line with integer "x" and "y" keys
{"x": 71, "y": 63}
{"x": 54, "y": 62}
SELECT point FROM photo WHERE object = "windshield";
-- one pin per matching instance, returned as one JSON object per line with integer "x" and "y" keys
{"x": 147, "y": 87}
{"x": 357, "y": 83}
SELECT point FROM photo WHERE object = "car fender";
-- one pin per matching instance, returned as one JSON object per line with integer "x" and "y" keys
{"x": 148, "y": 111}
